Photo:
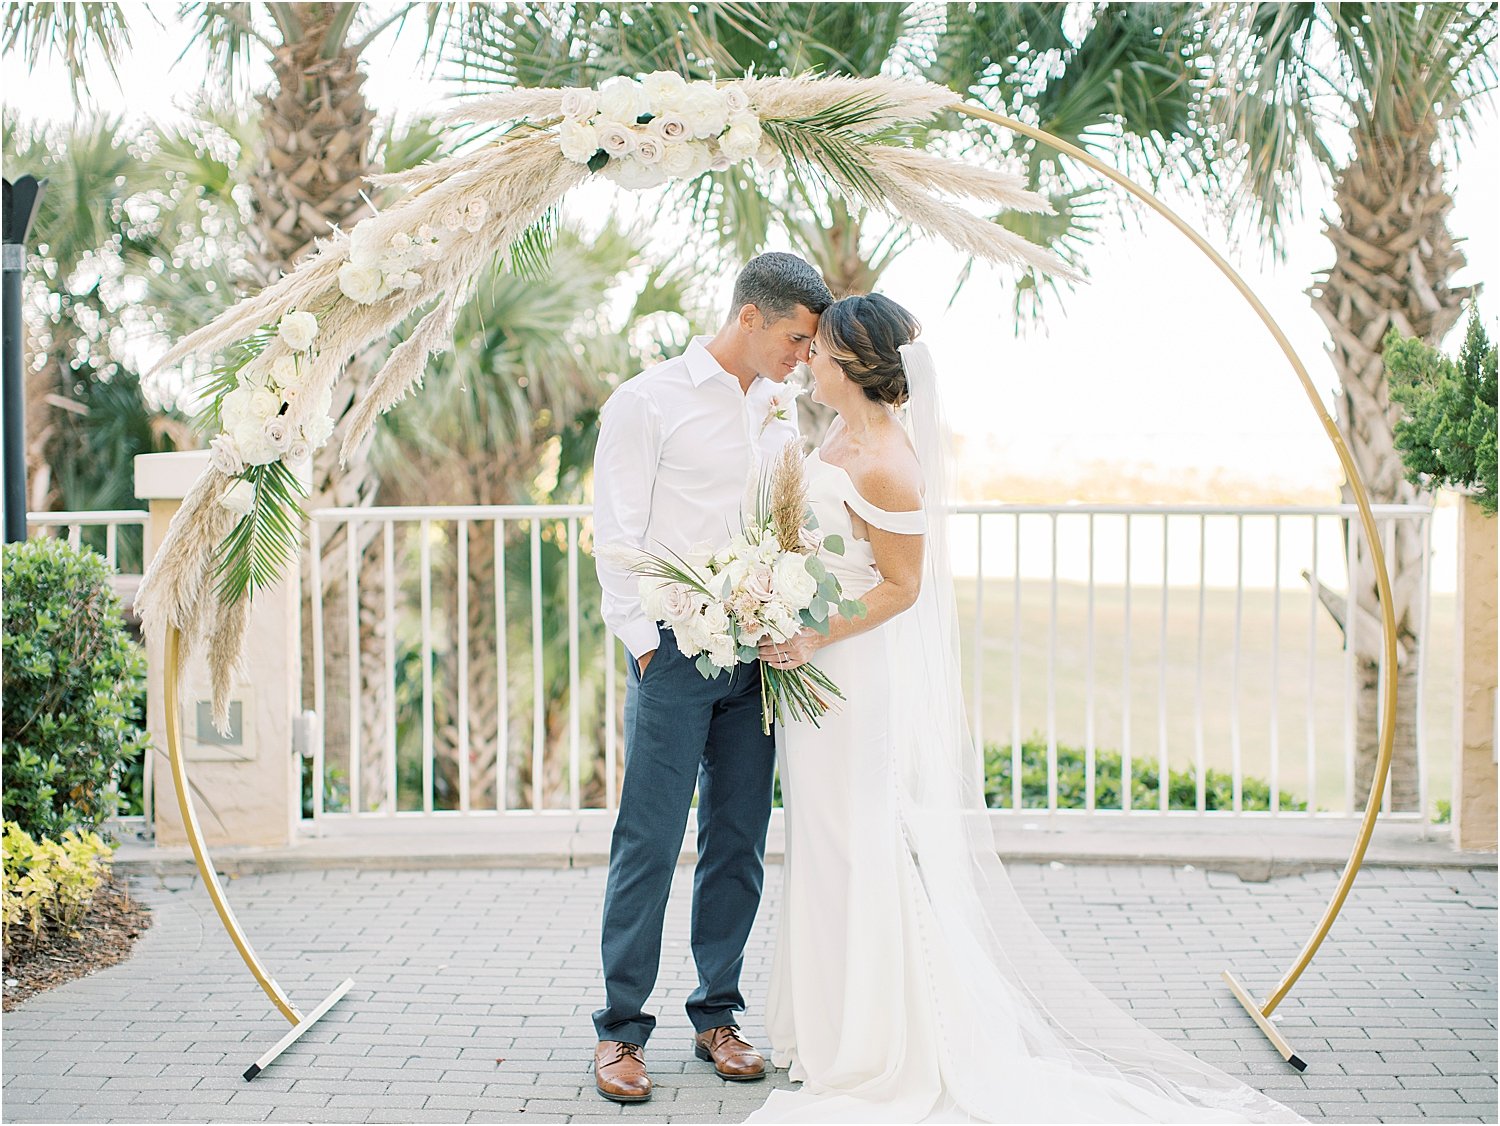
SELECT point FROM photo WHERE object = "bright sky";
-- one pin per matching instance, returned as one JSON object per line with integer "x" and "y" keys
{"x": 1155, "y": 380}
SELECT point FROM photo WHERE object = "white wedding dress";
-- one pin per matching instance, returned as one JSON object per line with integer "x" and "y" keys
{"x": 908, "y": 984}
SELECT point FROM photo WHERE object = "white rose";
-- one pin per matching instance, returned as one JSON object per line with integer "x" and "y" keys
{"x": 239, "y": 498}
{"x": 648, "y": 148}
{"x": 317, "y": 430}
{"x": 664, "y": 90}
{"x": 363, "y": 250}
{"x": 409, "y": 280}
{"x": 430, "y": 242}
{"x": 634, "y": 175}
{"x": 794, "y": 584}
{"x": 254, "y": 447}
{"x": 721, "y": 651}
{"x": 621, "y": 99}
{"x": 224, "y": 456}
{"x": 678, "y": 160}
{"x": 578, "y": 140}
{"x": 263, "y": 404}
{"x": 581, "y": 104}
{"x": 235, "y": 406}
{"x": 278, "y": 432}
{"x": 298, "y": 331}
{"x": 616, "y": 139}
{"x": 717, "y": 160}
{"x": 677, "y": 605}
{"x": 693, "y": 636}
{"x": 474, "y": 215}
{"x": 298, "y": 451}
{"x": 362, "y": 284}
{"x": 742, "y": 141}
{"x": 702, "y": 158}
{"x": 704, "y": 110}
{"x": 769, "y": 157}
{"x": 759, "y": 583}
{"x": 781, "y": 621}
{"x": 735, "y": 98}
{"x": 286, "y": 372}
{"x": 671, "y": 127}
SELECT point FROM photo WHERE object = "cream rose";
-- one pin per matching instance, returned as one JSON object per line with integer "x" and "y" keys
{"x": 616, "y": 139}
{"x": 743, "y": 138}
{"x": 298, "y": 451}
{"x": 794, "y": 583}
{"x": 362, "y": 284}
{"x": 578, "y": 140}
{"x": 648, "y": 148}
{"x": 298, "y": 330}
{"x": 581, "y": 104}
{"x": 278, "y": 432}
{"x": 663, "y": 90}
{"x": 286, "y": 372}
{"x": 671, "y": 127}
{"x": 224, "y": 455}
{"x": 759, "y": 583}
{"x": 239, "y": 498}
{"x": 621, "y": 99}
{"x": 703, "y": 108}
{"x": 678, "y": 160}
{"x": 677, "y": 605}
{"x": 632, "y": 174}
{"x": 735, "y": 98}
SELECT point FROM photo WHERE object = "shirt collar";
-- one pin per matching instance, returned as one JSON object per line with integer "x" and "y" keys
{"x": 701, "y": 364}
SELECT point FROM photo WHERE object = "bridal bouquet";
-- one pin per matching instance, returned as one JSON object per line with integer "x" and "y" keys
{"x": 767, "y": 582}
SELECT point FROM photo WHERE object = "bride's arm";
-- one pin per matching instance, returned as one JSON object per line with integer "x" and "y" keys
{"x": 897, "y": 557}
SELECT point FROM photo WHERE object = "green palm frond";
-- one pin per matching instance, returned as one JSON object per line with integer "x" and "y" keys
{"x": 70, "y": 32}
{"x": 531, "y": 253}
{"x": 266, "y": 539}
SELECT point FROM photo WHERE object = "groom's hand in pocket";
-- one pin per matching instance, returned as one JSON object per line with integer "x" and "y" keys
{"x": 643, "y": 660}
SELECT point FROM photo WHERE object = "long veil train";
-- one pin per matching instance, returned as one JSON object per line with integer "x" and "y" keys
{"x": 1021, "y": 1035}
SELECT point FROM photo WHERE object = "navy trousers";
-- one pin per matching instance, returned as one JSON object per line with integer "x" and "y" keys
{"x": 684, "y": 732}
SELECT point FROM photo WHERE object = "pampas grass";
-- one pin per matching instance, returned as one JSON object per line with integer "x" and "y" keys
{"x": 788, "y": 496}
{"x": 486, "y": 201}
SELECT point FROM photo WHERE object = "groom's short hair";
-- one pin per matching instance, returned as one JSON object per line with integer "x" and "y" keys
{"x": 776, "y": 283}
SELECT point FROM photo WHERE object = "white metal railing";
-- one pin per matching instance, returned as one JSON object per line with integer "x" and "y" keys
{"x": 1204, "y": 564}
{"x": 72, "y": 525}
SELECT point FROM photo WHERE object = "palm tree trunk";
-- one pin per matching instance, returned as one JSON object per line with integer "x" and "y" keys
{"x": 1394, "y": 256}
{"x": 317, "y": 131}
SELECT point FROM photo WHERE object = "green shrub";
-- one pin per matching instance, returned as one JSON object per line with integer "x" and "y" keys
{"x": 1182, "y": 785}
{"x": 72, "y": 681}
{"x": 1447, "y": 437}
{"x": 49, "y": 882}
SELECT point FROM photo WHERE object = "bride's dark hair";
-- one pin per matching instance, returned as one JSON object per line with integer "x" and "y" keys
{"x": 863, "y": 335}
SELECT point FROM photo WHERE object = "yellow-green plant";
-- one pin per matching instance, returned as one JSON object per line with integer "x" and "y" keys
{"x": 50, "y": 882}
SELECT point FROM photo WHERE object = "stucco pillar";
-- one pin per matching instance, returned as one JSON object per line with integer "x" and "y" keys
{"x": 1474, "y": 751}
{"x": 247, "y": 788}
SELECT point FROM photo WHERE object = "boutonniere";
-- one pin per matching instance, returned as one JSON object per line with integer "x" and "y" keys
{"x": 780, "y": 407}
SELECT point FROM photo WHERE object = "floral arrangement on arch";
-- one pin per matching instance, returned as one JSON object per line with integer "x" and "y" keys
{"x": 284, "y": 349}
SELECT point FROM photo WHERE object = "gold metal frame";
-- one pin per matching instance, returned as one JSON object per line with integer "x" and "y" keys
{"x": 1261, "y": 1013}
{"x": 172, "y": 684}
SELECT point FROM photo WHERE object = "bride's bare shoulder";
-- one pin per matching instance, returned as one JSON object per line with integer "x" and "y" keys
{"x": 890, "y": 478}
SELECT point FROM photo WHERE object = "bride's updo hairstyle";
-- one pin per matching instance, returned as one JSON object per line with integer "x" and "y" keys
{"x": 863, "y": 335}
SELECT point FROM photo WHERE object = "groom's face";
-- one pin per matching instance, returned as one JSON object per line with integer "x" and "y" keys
{"x": 778, "y": 346}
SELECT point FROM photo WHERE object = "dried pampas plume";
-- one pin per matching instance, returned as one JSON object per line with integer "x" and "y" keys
{"x": 789, "y": 496}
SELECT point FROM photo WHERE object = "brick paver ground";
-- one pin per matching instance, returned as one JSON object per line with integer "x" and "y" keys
{"x": 456, "y": 971}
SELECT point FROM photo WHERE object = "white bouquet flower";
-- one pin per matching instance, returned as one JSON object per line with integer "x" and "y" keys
{"x": 766, "y": 582}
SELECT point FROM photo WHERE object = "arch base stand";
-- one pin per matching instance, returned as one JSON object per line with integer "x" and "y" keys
{"x": 1262, "y": 1020}
{"x": 298, "y": 1029}
{"x": 300, "y": 1024}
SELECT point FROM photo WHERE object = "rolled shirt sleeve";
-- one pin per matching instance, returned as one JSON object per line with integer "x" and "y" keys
{"x": 625, "y": 465}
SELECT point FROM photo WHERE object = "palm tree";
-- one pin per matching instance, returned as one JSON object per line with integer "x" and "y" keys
{"x": 511, "y": 416}
{"x": 1378, "y": 96}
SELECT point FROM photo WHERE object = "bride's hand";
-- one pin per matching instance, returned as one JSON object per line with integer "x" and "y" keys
{"x": 789, "y": 654}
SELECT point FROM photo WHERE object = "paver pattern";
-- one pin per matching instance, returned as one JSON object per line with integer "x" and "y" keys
{"x": 473, "y": 991}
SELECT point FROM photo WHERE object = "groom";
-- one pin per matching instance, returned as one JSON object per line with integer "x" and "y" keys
{"x": 676, "y": 446}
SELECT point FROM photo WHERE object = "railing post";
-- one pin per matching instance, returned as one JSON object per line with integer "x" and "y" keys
{"x": 248, "y": 786}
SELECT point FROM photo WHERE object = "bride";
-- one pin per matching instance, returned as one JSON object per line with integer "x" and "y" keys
{"x": 908, "y": 983}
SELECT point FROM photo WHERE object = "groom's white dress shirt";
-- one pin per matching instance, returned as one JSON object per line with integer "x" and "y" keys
{"x": 677, "y": 446}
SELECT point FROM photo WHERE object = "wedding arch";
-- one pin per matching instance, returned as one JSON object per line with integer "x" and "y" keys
{"x": 285, "y": 347}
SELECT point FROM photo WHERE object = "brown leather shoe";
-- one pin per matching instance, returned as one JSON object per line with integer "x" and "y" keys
{"x": 620, "y": 1072}
{"x": 732, "y": 1057}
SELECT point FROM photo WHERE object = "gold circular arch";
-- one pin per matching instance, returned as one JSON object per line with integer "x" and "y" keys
{"x": 1259, "y": 1013}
